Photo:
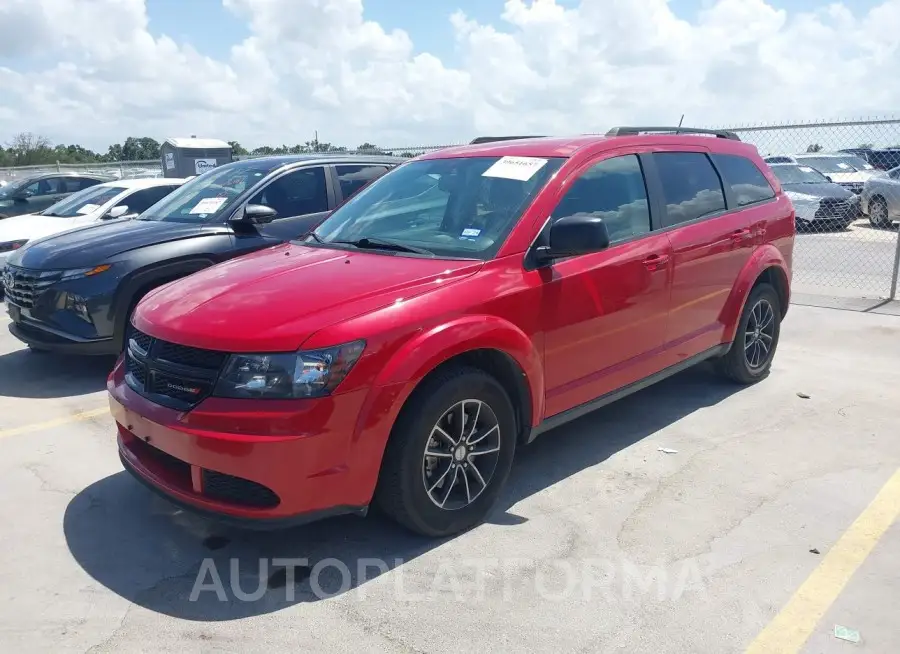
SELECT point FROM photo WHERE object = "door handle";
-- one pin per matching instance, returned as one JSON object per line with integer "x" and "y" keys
{"x": 740, "y": 235}
{"x": 656, "y": 261}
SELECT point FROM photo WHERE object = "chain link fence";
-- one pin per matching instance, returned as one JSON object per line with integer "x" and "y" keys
{"x": 843, "y": 177}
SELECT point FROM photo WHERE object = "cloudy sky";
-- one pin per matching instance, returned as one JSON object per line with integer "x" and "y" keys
{"x": 411, "y": 72}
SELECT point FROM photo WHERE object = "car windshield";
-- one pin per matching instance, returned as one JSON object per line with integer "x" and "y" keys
{"x": 210, "y": 196}
{"x": 790, "y": 174}
{"x": 461, "y": 207}
{"x": 12, "y": 188}
{"x": 857, "y": 162}
{"x": 828, "y": 165}
{"x": 83, "y": 202}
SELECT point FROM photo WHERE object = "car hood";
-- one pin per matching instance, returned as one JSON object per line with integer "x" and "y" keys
{"x": 824, "y": 190}
{"x": 94, "y": 244}
{"x": 273, "y": 300}
{"x": 33, "y": 226}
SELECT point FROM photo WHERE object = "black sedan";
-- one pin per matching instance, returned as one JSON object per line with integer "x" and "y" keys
{"x": 819, "y": 203}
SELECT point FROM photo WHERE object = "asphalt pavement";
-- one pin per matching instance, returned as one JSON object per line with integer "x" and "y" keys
{"x": 858, "y": 261}
{"x": 682, "y": 519}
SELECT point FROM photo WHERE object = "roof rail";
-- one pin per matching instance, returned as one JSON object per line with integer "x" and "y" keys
{"x": 632, "y": 131}
{"x": 491, "y": 139}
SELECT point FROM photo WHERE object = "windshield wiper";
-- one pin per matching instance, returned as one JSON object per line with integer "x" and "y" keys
{"x": 316, "y": 237}
{"x": 369, "y": 243}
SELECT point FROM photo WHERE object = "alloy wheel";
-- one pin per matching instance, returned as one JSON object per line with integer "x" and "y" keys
{"x": 461, "y": 454}
{"x": 759, "y": 335}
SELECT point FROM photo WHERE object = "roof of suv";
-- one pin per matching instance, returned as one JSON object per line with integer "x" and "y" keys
{"x": 562, "y": 146}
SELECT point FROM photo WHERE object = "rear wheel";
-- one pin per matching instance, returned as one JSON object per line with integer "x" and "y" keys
{"x": 449, "y": 454}
{"x": 753, "y": 349}
{"x": 878, "y": 212}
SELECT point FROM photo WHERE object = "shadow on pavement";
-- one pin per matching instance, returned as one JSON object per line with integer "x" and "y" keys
{"x": 152, "y": 554}
{"x": 28, "y": 374}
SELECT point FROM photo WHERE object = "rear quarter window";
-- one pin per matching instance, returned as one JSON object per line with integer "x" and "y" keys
{"x": 691, "y": 186}
{"x": 746, "y": 180}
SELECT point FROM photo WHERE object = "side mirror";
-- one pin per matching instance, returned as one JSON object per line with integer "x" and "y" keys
{"x": 828, "y": 177}
{"x": 21, "y": 196}
{"x": 574, "y": 235}
{"x": 116, "y": 212}
{"x": 259, "y": 214}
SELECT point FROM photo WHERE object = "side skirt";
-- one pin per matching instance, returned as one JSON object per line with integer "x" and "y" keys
{"x": 562, "y": 418}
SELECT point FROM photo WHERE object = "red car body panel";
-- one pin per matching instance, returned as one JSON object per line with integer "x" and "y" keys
{"x": 576, "y": 331}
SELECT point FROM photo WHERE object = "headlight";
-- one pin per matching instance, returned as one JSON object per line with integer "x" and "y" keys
{"x": 313, "y": 373}
{"x": 9, "y": 246}
{"x": 77, "y": 273}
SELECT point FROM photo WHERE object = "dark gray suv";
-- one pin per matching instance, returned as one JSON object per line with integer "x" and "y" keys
{"x": 37, "y": 192}
{"x": 74, "y": 292}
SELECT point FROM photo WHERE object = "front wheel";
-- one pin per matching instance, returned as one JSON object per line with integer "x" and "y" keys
{"x": 449, "y": 454}
{"x": 878, "y": 213}
{"x": 753, "y": 349}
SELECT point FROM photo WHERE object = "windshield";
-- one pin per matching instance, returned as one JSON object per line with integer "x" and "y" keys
{"x": 83, "y": 202}
{"x": 828, "y": 164}
{"x": 798, "y": 175}
{"x": 857, "y": 162}
{"x": 10, "y": 189}
{"x": 462, "y": 207}
{"x": 210, "y": 196}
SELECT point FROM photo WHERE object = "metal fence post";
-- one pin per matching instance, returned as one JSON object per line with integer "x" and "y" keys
{"x": 893, "y": 295}
{"x": 58, "y": 168}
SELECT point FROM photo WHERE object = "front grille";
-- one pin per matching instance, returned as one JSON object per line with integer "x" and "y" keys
{"x": 173, "y": 375}
{"x": 23, "y": 287}
{"x": 235, "y": 490}
{"x": 834, "y": 209}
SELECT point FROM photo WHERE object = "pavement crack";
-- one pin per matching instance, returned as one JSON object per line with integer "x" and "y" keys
{"x": 46, "y": 484}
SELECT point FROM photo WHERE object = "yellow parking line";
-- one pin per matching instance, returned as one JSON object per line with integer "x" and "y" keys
{"x": 59, "y": 422}
{"x": 790, "y": 629}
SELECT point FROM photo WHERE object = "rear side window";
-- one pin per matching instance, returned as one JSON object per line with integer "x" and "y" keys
{"x": 691, "y": 186}
{"x": 140, "y": 201}
{"x": 746, "y": 180}
{"x": 614, "y": 190}
{"x": 353, "y": 178}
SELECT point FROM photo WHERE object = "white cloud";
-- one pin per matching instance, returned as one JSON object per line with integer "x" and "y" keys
{"x": 89, "y": 71}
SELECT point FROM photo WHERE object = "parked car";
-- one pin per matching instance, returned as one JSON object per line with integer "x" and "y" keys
{"x": 462, "y": 304}
{"x": 881, "y": 159}
{"x": 107, "y": 201}
{"x": 819, "y": 204}
{"x": 881, "y": 198}
{"x": 37, "y": 192}
{"x": 849, "y": 171}
{"x": 74, "y": 292}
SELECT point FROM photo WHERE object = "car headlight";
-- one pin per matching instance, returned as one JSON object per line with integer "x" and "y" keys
{"x": 9, "y": 246}
{"x": 78, "y": 273}
{"x": 312, "y": 373}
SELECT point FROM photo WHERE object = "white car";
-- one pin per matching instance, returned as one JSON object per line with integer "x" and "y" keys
{"x": 123, "y": 198}
{"x": 848, "y": 170}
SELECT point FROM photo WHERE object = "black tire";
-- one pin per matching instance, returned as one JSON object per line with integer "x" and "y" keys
{"x": 745, "y": 364}
{"x": 402, "y": 491}
{"x": 878, "y": 212}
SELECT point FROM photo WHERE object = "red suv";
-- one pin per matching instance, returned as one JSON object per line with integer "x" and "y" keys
{"x": 447, "y": 314}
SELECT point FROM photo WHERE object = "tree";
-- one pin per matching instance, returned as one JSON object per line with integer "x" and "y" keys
{"x": 237, "y": 149}
{"x": 369, "y": 148}
{"x": 28, "y": 149}
{"x": 815, "y": 147}
{"x": 865, "y": 146}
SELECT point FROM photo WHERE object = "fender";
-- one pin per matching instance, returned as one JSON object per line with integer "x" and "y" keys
{"x": 432, "y": 347}
{"x": 763, "y": 258}
{"x": 154, "y": 275}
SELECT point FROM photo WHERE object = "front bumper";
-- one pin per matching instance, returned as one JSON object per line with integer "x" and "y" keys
{"x": 258, "y": 464}
{"x": 69, "y": 316}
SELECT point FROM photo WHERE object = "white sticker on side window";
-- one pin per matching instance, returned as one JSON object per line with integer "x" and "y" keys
{"x": 519, "y": 168}
{"x": 208, "y": 205}
{"x": 88, "y": 208}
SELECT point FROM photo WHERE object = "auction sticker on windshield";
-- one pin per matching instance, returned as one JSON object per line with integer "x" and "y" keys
{"x": 208, "y": 205}
{"x": 88, "y": 208}
{"x": 519, "y": 168}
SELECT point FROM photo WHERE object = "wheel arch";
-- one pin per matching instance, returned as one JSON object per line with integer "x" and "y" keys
{"x": 767, "y": 265}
